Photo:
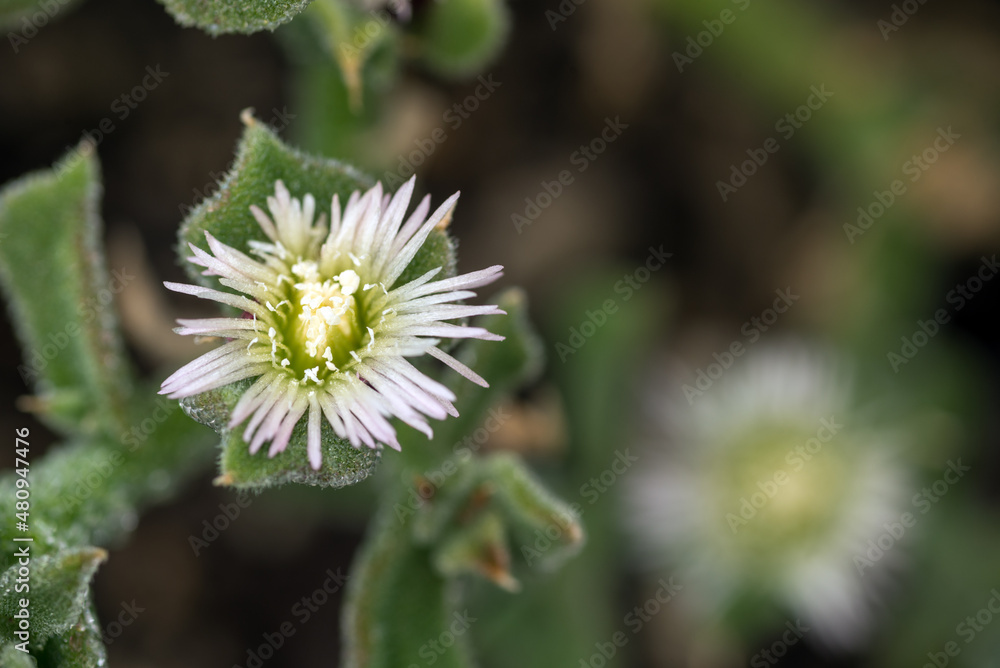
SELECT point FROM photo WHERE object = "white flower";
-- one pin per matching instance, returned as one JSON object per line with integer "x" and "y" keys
{"x": 325, "y": 329}
{"x": 773, "y": 486}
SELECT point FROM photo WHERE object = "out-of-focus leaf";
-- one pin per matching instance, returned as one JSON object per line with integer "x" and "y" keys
{"x": 59, "y": 594}
{"x": 463, "y": 527}
{"x": 398, "y": 604}
{"x": 59, "y": 294}
{"x": 557, "y": 620}
{"x": 532, "y": 512}
{"x": 352, "y": 37}
{"x": 234, "y": 16}
{"x": 29, "y": 16}
{"x": 479, "y": 547}
{"x": 957, "y": 548}
{"x": 10, "y": 657}
{"x": 460, "y": 37}
{"x": 91, "y": 489}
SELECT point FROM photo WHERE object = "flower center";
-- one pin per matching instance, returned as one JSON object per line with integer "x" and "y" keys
{"x": 782, "y": 489}
{"x": 322, "y": 324}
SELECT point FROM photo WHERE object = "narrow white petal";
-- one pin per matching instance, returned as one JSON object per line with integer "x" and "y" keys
{"x": 458, "y": 366}
{"x": 314, "y": 445}
{"x": 237, "y": 301}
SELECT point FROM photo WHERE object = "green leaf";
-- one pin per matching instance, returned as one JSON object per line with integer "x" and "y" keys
{"x": 217, "y": 17}
{"x": 88, "y": 492}
{"x": 351, "y": 37}
{"x": 461, "y": 37}
{"x": 502, "y": 486}
{"x": 60, "y": 294}
{"x": 29, "y": 16}
{"x": 535, "y": 515}
{"x": 10, "y": 657}
{"x": 82, "y": 646}
{"x": 959, "y": 541}
{"x": 60, "y": 585}
{"x": 477, "y": 548}
{"x": 557, "y": 619}
{"x": 398, "y": 604}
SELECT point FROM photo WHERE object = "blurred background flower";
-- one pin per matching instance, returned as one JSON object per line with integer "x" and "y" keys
{"x": 762, "y": 493}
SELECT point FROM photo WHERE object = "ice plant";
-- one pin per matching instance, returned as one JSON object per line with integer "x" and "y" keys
{"x": 325, "y": 329}
{"x": 769, "y": 488}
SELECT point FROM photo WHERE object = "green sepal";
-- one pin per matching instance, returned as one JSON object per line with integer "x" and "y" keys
{"x": 59, "y": 592}
{"x": 461, "y": 37}
{"x": 60, "y": 295}
{"x": 218, "y": 17}
{"x": 82, "y": 646}
{"x": 342, "y": 465}
{"x": 261, "y": 159}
